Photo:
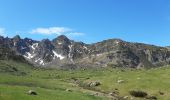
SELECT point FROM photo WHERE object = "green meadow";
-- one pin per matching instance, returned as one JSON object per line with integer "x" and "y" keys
{"x": 54, "y": 84}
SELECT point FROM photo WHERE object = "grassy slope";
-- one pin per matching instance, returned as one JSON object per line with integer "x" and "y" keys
{"x": 14, "y": 86}
{"x": 51, "y": 84}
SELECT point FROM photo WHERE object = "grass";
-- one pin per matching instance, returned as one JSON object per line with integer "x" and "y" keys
{"x": 51, "y": 84}
{"x": 19, "y": 93}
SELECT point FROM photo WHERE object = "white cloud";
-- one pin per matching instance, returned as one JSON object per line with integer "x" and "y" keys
{"x": 57, "y": 31}
{"x": 75, "y": 34}
{"x": 2, "y": 31}
{"x": 50, "y": 30}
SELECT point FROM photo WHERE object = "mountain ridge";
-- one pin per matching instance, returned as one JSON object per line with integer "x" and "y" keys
{"x": 65, "y": 53}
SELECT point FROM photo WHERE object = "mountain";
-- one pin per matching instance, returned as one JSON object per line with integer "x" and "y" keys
{"x": 65, "y": 53}
{"x": 6, "y": 53}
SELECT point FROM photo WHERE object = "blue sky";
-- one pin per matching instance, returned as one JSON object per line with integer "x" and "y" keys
{"x": 90, "y": 21}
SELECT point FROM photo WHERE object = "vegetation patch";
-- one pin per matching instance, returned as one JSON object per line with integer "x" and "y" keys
{"x": 138, "y": 93}
{"x": 89, "y": 84}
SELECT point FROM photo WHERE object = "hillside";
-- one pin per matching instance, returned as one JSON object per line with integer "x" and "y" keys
{"x": 55, "y": 84}
{"x": 18, "y": 76}
{"x": 84, "y": 49}
{"x": 64, "y": 53}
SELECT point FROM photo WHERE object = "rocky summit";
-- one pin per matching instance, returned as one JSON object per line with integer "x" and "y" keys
{"x": 62, "y": 52}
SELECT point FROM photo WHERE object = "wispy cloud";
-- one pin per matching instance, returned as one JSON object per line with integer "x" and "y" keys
{"x": 56, "y": 30}
{"x": 50, "y": 30}
{"x": 75, "y": 34}
{"x": 2, "y": 31}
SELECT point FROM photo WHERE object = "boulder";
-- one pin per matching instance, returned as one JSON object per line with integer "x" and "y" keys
{"x": 69, "y": 90}
{"x": 32, "y": 92}
{"x": 94, "y": 83}
{"x": 120, "y": 81}
{"x": 125, "y": 97}
{"x": 113, "y": 94}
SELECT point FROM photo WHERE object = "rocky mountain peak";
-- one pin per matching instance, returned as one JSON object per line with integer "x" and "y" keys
{"x": 16, "y": 38}
{"x": 46, "y": 44}
{"x": 62, "y": 37}
{"x": 62, "y": 51}
{"x": 61, "y": 40}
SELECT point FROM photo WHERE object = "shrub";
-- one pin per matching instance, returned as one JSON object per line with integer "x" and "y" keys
{"x": 138, "y": 93}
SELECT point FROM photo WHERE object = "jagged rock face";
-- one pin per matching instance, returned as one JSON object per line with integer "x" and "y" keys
{"x": 61, "y": 44}
{"x": 124, "y": 58}
{"x": 63, "y": 52}
{"x": 151, "y": 55}
{"x": 6, "y": 53}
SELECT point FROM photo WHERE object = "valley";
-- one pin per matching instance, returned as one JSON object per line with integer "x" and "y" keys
{"x": 63, "y": 69}
{"x": 18, "y": 78}
{"x": 84, "y": 50}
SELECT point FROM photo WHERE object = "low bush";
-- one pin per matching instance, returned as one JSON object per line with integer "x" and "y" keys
{"x": 138, "y": 93}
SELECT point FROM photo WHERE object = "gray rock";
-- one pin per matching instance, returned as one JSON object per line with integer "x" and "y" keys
{"x": 126, "y": 97}
{"x": 94, "y": 83}
{"x": 120, "y": 81}
{"x": 69, "y": 90}
{"x": 32, "y": 92}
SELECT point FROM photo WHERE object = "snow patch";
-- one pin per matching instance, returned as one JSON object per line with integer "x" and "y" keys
{"x": 70, "y": 46}
{"x": 35, "y": 45}
{"x": 37, "y": 60}
{"x": 99, "y": 54}
{"x": 41, "y": 62}
{"x": 117, "y": 42}
{"x": 58, "y": 55}
{"x": 70, "y": 50}
{"x": 85, "y": 47}
{"x": 59, "y": 43}
{"x": 15, "y": 43}
{"x": 29, "y": 55}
